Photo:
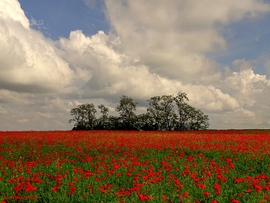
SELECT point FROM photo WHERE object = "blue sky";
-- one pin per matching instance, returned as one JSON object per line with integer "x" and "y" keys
{"x": 57, "y": 54}
{"x": 61, "y": 16}
{"x": 246, "y": 39}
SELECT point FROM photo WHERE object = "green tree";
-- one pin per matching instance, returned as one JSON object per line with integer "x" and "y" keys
{"x": 181, "y": 102}
{"x": 189, "y": 118}
{"x": 103, "y": 121}
{"x": 161, "y": 109}
{"x": 144, "y": 122}
{"x": 83, "y": 116}
{"x": 126, "y": 109}
{"x": 168, "y": 114}
{"x": 114, "y": 123}
{"x": 196, "y": 119}
{"x": 165, "y": 112}
{"x": 154, "y": 111}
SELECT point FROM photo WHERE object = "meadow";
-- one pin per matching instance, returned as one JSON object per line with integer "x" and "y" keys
{"x": 135, "y": 166}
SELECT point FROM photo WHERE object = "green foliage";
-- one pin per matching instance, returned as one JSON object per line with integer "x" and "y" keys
{"x": 126, "y": 109}
{"x": 84, "y": 116}
{"x": 103, "y": 121}
{"x": 165, "y": 112}
{"x": 161, "y": 110}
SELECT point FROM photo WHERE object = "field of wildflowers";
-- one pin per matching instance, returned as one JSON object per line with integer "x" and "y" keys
{"x": 130, "y": 166}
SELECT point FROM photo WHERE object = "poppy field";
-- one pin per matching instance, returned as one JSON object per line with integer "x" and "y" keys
{"x": 135, "y": 166}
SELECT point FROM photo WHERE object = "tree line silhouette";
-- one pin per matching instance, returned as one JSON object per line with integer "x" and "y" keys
{"x": 165, "y": 112}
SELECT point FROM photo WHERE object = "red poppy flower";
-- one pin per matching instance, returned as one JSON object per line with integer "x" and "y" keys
{"x": 207, "y": 194}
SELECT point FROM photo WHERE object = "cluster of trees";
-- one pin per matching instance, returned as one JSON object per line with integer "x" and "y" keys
{"x": 165, "y": 112}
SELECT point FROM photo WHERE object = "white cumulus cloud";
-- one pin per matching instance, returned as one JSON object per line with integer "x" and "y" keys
{"x": 29, "y": 62}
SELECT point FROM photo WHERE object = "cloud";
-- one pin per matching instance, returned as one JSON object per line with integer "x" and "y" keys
{"x": 156, "y": 48}
{"x": 112, "y": 73}
{"x": 173, "y": 37}
{"x": 164, "y": 51}
{"x": 37, "y": 24}
{"x": 246, "y": 86}
{"x": 11, "y": 11}
{"x": 29, "y": 62}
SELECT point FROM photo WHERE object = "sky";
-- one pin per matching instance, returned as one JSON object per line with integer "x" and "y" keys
{"x": 58, "y": 54}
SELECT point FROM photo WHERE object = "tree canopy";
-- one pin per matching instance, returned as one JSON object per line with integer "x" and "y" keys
{"x": 164, "y": 112}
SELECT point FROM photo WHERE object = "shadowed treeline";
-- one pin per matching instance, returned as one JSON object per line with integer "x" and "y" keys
{"x": 165, "y": 112}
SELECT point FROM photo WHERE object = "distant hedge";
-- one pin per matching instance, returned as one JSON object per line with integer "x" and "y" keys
{"x": 165, "y": 112}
